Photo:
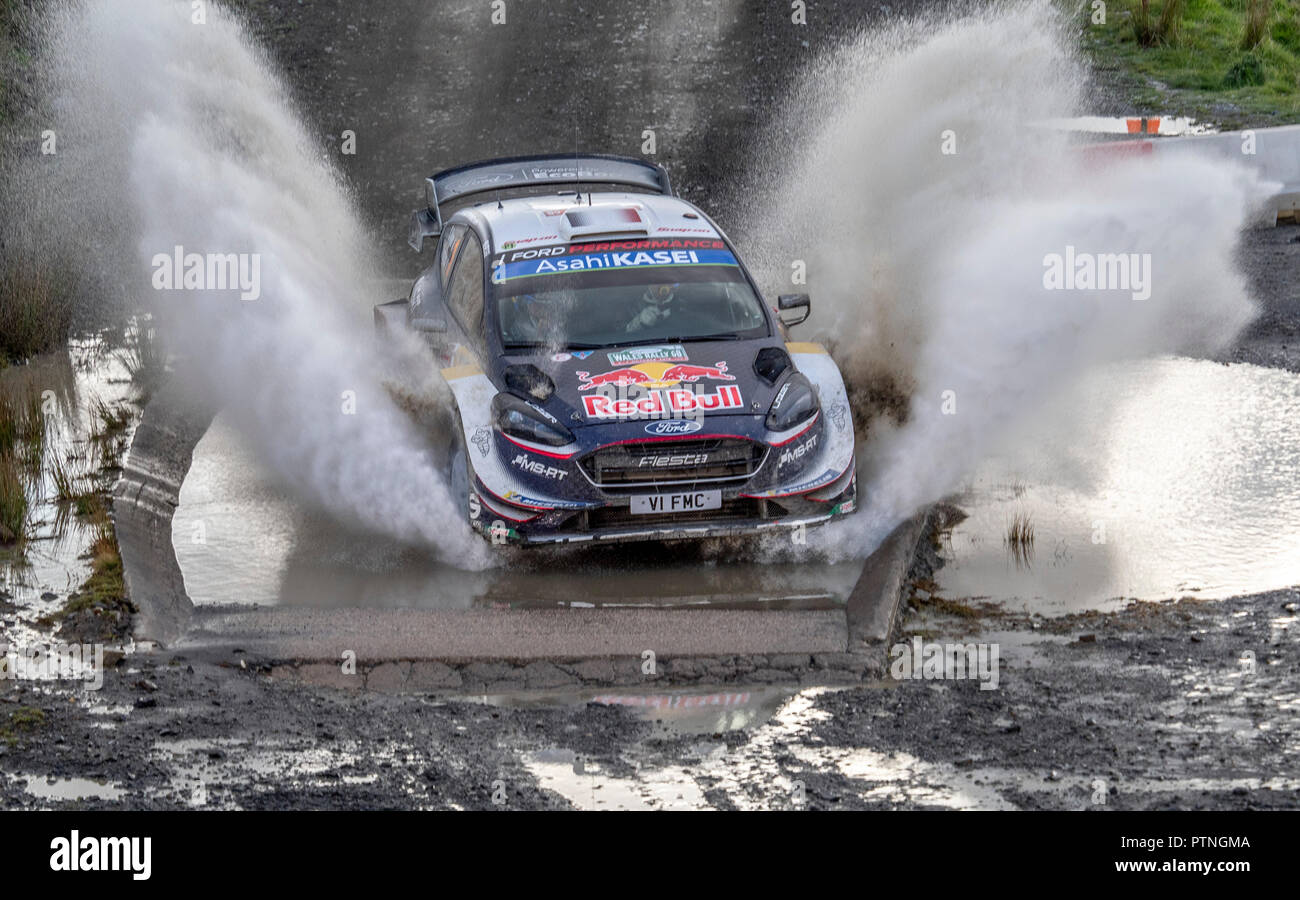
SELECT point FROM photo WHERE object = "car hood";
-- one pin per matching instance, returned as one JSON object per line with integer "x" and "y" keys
{"x": 629, "y": 388}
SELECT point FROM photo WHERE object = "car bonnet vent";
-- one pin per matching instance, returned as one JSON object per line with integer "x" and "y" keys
{"x": 770, "y": 364}
{"x": 606, "y": 220}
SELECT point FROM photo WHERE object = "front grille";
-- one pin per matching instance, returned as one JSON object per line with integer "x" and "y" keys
{"x": 738, "y": 509}
{"x": 673, "y": 462}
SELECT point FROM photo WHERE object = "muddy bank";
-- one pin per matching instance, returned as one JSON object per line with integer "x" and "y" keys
{"x": 1155, "y": 707}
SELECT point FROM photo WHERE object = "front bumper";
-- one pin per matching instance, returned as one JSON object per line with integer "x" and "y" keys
{"x": 613, "y": 522}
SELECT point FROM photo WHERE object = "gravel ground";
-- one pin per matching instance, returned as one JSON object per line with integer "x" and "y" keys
{"x": 1161, "y": 706}
{"x": 1271, "y": 257}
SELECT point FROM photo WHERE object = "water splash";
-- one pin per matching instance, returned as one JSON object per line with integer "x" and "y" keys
{"x": 188, "y": 138}
{"x": 908, "y": 181}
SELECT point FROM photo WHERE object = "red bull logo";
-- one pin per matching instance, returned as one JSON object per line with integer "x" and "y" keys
{"x": 661, "y": 403}
{"x": 654, "y": 375}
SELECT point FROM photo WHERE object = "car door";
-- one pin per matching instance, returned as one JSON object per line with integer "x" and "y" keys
{"x": 465, "y": 295}
{"x": 428, "y": 312}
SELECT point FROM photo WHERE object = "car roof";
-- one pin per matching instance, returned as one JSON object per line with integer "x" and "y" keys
{"x": 565, "y": 218}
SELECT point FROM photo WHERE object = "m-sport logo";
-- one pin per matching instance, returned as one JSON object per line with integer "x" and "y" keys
{"x": 673, "y": 426}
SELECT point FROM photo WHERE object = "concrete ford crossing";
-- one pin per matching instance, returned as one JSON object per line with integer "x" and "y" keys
{"x": 615, "y": 372}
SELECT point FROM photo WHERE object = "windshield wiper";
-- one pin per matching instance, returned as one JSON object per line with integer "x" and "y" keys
{"x": 720, "y": 336}
{"x": 672, "y": 339}
{"x": 533, "y": 345}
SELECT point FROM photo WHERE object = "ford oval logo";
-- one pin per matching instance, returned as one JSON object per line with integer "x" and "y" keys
{"x": 668, "y": 427}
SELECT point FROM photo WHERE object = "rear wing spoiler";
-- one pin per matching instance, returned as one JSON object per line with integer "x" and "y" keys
{"x": 520, "y": 175}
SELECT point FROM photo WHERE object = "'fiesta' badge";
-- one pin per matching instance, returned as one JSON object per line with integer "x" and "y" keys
{"x": 667, "y": 427}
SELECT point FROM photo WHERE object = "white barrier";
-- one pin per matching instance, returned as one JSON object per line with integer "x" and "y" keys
{"x": 1273, "y": 152}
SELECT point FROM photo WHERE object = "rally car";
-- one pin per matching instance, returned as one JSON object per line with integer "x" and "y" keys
{"x": 615, "y": 372}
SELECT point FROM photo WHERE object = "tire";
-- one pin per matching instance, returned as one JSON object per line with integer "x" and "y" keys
{"x": 458, "y": 472}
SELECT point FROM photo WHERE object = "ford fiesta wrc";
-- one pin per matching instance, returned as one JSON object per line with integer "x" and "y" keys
{"x": 615, "y": 373}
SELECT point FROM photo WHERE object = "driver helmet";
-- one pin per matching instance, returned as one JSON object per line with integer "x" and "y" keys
{"x": 544, "y": 311}
{"x": 660, "y": 295}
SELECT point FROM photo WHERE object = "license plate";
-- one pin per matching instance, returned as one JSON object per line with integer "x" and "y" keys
{"x": 690, "y": 501}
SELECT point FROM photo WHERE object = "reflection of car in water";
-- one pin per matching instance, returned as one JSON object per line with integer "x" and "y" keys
{"x": 616, "y": 374}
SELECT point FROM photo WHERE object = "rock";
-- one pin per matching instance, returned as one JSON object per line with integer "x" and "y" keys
{"x": 328, "y": 674}
{"x": 1087, "y": 639}
{"x": 684, "y": 668}
{"x": 434, "y": 676}
{"x": 145, "y": 702}
{"x": 389, "y": 677}
{"x": 601, "y": 670}
{"x": 490, "y": 672}
{"x": 772, "y": 676}
{"x": 544, "y": 674}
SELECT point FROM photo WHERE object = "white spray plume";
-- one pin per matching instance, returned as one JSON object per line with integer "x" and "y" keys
{"x": 191, "y": 140}
{"x": 910, "y": 178}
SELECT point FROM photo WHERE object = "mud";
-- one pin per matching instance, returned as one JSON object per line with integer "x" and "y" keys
{"x": 1155, "y": 707}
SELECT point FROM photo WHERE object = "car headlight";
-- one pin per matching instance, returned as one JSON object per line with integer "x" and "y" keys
{"x": 796, "y": 402}
{"x": 518, "y": 419}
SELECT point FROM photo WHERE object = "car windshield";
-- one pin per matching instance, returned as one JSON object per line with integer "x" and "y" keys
{"x": 598, "y": 295}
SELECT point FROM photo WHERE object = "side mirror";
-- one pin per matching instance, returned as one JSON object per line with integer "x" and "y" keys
{"x": 794, "y": 301}
{"x": 423, "y": 224}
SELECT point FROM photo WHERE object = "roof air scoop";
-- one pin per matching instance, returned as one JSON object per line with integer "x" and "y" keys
{"x": 602, "y": 220}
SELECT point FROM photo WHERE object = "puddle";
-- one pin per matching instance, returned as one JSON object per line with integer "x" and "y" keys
{"x": 71, "y": 789}
{"x": 588, "y": 788}
{"x": 74, "y": 390}
{"x": 694, "y": 711}
{"x": 240, "y": 540}
{"x": 768, "y": 771}
{"x": 1162, "y": 478}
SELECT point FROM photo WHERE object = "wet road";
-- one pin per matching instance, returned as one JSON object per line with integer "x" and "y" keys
{"x": 241, "y": 540}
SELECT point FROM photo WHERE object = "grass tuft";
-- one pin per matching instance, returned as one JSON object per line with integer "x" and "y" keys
{"x": 1020, "y": 538}
{"x": 1160, "y": 30}
{"x": 147, "y": 361}
{"x": 35, "y": 309}
{"x": 1257, "y": 16}
{"x": 9, "y": 424}
{"x": 32, "y": 432}
{"x": 63, "y": 478}
{"x": 13, "y": 501}
{"x": 1245, "y": 72}
{"x": 23, "y": 720}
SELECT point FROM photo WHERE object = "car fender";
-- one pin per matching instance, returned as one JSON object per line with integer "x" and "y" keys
{"x": 473, "y": 392}
{"x": 837, "y": 453}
